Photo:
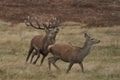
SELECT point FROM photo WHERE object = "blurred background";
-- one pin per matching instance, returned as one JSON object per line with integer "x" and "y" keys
{"x": 90, "y": 12}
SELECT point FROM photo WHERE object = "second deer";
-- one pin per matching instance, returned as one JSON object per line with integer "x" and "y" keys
{"x": 71, "y": 54}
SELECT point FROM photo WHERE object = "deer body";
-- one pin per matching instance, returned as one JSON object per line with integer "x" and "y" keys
{"x": 40, "y": 43}
{"x": 71, "y": 54}
{"x": 36, "y": 42}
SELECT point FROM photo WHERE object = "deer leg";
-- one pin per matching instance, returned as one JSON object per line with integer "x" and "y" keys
{"x": 29, "y": 52}
{"x": 42, "y": 59}
{"x": 70, "y": 65}
{"x": 50, "y": 59}
{"x": 49, "y": 62}
{"x": 53, "y": 60}
{"x": 56, "y": 66}
{"x": 38, "y": 55}
{"x": 32, "y": 57}
{"x": 81, "y": 65}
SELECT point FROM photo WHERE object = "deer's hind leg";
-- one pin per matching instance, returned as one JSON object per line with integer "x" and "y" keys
{"x": 32, "y": 57}
{"x": 53, "y": 60}
{"x": 81, "y": 65}
{"x": 42, "y": 59}
{"x": 29, "y": 52}
{"x": 38, "y": 55}
{"x": 70, "y": 66}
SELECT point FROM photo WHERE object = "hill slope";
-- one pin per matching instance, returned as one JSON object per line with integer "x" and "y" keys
{"x": 91, "y": 12}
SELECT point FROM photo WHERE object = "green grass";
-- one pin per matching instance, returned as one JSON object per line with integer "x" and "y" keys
{"x": 103, "y": 63}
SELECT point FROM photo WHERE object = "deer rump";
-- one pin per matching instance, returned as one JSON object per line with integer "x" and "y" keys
{"x": 37, "y": 42}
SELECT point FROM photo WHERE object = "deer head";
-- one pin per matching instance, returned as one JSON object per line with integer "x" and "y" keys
{"x": 90, "y": 40}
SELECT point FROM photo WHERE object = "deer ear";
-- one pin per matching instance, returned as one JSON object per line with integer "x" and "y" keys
{"x": 86, "y": 35}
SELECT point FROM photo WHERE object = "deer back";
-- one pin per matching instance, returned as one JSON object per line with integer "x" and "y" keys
{"x": 65, "y": 52}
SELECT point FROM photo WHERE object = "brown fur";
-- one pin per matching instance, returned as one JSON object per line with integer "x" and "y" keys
{"x": 40, "y": 43}
{"x": 36, "y": 44}
{"x": 71, "y": 54}
{"x": 66, "y": 51}
{"x": 37, "y": 41}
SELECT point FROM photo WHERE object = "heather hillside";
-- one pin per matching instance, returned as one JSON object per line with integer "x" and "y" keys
{"x": 90, "y": 12}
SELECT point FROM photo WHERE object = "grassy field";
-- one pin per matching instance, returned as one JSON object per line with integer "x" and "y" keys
{"x": 103, "y": 63}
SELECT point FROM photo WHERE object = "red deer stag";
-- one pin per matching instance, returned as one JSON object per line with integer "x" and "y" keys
{"x": 71, "y": 54}
{"x": 40, "y": 43}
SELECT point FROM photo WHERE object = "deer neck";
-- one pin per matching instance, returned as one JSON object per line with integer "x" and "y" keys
{"x": 86, "y": 49}
{"x": 45, "y": 44}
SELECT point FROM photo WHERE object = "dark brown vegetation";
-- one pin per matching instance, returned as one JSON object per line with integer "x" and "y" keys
{"x": 91, "y": 12}
{"x": 71, "y": 54}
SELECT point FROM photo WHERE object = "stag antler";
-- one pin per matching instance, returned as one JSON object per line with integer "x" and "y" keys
{"x": 29, "y": 23}
{"x": 54, "y": 22}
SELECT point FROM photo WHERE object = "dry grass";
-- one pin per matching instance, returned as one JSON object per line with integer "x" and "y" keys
{"x": 102, "y": 64}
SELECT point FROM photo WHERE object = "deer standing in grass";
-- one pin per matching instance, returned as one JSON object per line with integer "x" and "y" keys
{"x": 71, "y": 54}
{"x": 40, "y": 43}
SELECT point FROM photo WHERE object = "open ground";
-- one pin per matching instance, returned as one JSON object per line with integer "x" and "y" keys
{"x": 103, "y": 63}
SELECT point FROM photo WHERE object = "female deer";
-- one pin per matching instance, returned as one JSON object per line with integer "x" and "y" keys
{"x": 71, "y": 54}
